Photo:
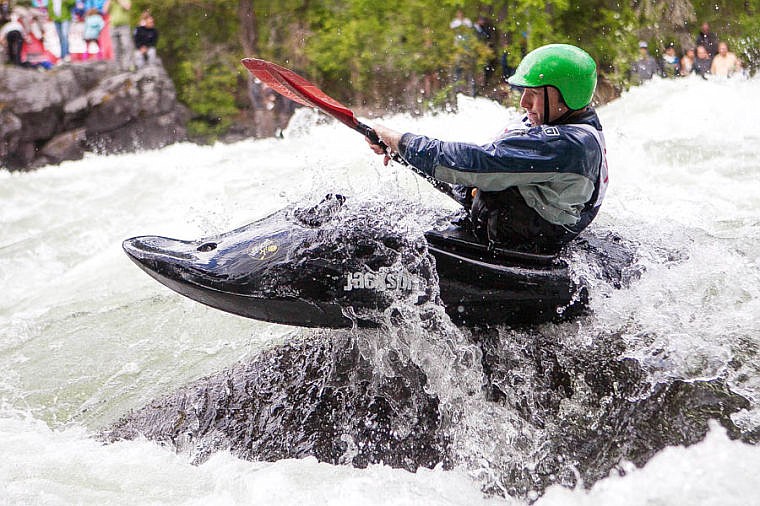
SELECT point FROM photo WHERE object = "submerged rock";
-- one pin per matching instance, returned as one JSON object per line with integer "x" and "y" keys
{"x": 317, "y": 397}
{"x": 595, "y": 407}
{"x": 320, "y": 397}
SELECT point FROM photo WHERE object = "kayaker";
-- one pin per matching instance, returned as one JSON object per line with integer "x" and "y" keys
{"x": 541, "y": 182}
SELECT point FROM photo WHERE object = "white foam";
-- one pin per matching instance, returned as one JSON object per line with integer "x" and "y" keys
{"x": 66, "y": 466}
{"x": 717, "y": 471}
{"x": 85, "y": 336}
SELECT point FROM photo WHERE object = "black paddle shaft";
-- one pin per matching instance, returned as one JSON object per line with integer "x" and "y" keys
{"x": 370, "y": 133}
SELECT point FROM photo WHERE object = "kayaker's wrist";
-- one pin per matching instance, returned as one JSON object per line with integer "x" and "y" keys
{"x": 404, "y": 142}
{"x": 389, "y": 137}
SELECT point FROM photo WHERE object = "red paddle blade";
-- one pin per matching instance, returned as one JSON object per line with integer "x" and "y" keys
{"x": 290, "y": 85}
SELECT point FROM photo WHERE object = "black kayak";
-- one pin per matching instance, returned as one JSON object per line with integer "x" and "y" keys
{"x": 311, "y": 269}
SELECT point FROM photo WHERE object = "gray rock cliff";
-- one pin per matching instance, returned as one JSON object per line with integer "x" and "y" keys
{"x": 49, "y": 117}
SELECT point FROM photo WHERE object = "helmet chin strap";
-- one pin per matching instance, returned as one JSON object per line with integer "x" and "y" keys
{"x": 546, "y": 110}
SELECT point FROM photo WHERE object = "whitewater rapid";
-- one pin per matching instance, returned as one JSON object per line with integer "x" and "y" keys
{"x": 85, "y": 336}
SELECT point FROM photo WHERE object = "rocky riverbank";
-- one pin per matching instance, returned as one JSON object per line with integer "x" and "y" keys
{"x": 49, "y": 117}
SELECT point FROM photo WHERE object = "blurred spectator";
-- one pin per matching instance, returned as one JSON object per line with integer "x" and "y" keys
{"x": 12, "y": 37}
{"x": 5, "y": 11}
{"x": 60, "y": 12}
{"x": 33, "y": 53}
{"x": 725, "y": 63}
{"x": 708, "y": 40}
{"x": 95, "y": 4}
{"x": 702, "y": 62}
{"x": 40, "y": 8}
{"x": 670, "y": 65}
{"x": 78, "y": 11}
{"x": 93, "y": 25}
{"x": 77, "y": 45}
{"x": 105, "y": 50}
{"x": 146, "y": 37}
{"x": 645, "y": 67}
{"x": 460, "y": 20}
{"x": 121, "y": 34}
{"x": 486, "y": 32}
{"x": 687, "y": 62}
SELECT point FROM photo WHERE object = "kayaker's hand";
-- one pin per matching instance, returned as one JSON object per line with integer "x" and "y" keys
{"x": 377, "y": 149}
{"x": 391, "y": 138}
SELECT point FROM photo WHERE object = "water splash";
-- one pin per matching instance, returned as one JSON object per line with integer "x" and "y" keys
{"x": 85, "y": 338}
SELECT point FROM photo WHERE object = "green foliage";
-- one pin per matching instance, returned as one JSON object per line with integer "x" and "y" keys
{"x": 747, "y": 48}
{"x": 384, "y": 54}
{"x": 199, "y": 48}
{"x": 209, "y": 89}
{"x": 358, "y": 46}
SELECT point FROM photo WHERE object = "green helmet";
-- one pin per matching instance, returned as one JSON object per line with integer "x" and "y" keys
{"x": 568, "y": 68}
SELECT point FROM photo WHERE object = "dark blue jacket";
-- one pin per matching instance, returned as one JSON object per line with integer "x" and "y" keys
{"x": 557, "y": 171}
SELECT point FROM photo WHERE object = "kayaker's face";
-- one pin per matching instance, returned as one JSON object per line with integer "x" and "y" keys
{"x": 533, "y": 102}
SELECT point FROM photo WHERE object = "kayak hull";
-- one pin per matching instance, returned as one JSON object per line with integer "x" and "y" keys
{"x": 480, "y": 287}
{"x": 295, "y": 272}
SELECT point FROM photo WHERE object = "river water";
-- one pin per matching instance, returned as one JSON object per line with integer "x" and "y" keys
{"x": 85, "y": 336}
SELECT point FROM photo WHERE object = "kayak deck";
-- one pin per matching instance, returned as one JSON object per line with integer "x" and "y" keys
{"x": 295, "y": 272}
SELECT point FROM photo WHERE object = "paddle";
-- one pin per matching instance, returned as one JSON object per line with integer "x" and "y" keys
{"x": 290, "y": 85}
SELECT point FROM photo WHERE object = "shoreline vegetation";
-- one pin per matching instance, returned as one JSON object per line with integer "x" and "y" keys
{"x": 404, "y": 57}
{"x": 401, "y": 57}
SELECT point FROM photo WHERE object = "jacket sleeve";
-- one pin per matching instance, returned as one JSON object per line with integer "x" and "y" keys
{"x": 538, "y": 155}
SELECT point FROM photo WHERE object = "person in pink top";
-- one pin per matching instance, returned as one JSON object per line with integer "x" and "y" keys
{"x": 33, "y": 52}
